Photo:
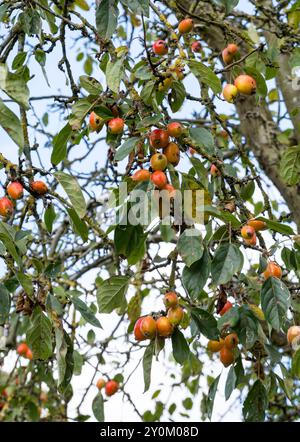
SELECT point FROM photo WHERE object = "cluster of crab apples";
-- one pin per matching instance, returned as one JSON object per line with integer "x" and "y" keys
{"x": 24, "y": 351}
{"x": 15, "y": 191}
{"x": 226, "y": 348}
{"x": 162, "y": 324}
{"x": 111, "y": 386}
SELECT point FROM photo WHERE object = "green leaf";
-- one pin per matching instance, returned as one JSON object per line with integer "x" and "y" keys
{"x": 205, "y": 75}
{"x": 206, "y": 323}
{"x": 11, "y": 124}
{"x": 275, "y": 301}
{"x": 79, "y": 226}
{"x": 14, "y": 86}
{"x": 98, "y": 407}
{"x": 227, "y": 261}
{"x": 277, "y": 226}
{"x": 211, "y": 396}
{"x": 203, "y": 138}
{"x": 229, "y": 319}
{"x": 80, "y": 109}
{"x": 85, "y": 311}
{"x": 39, "y": 334}
{"x": 177, "y": 96}
{"x": 190, "y": 246}
{"x": 125, "y": 149}
{"x": 59, "y": 152}
{"x": 289, "y": 166}
{"x": 107, "y": 18}
{"x": 25, "y": 282}
{"x": 147, "y": 364}
{"x": 8, "y": 241}
{"x": 111, "y": 293}
{"x": 49, "y": 217}
{"x": 296, "y": 364}
{"x": 4, "y": 304}
{"x": 194, "y": 277}
{"x": 230, "y": 383}
{"x": 19, "y": 60}
{"x": 65, "y": 360}
{"x": 130, "y": 241}
{"x": 256, "y": 403}
{"x": 114, "y": 74}
{"x": 73, "y": 191}
{"x": 228, "y": 4}
{"x": 181, "y": 351}
{"x": 137, "y": 6}
{"x": 224, "y": 216}
{"x": 90, "y": 84}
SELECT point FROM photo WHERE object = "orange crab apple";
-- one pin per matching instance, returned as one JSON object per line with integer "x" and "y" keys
{"x": 175, "y": 315}
{"x": 172, "y": 153}
{"x": 100, "y": 383}
{"x": 186, "y": 26}
{"x": 230, "y": 92}
{"x": 257, "y": 224}
{"x": 159, "y": 138}
{"x": 226, "y": 307}
{"x": 170, "y": 299}
{"x": 137, "y": 330}
{"x": 196, "y": 46}
{"x": 111, "y": 387}
{"x": 159, "y": 179}
{"x": 247, "y": 232}
{"x": 231, "y": 341}
{"x": 272, "y": 269}
{"x": 245, "y": 84}
{"x": 116, "y": 126}
{"x": 160, "y": 47}
{"x": 215, "y": 346}
{"x": 6, "y": 207}
{"x": 22, "y": 349}
{"x": 39, "y": 187}
{"x": 158, "y": 161}
{"x": 15, "y": 190}
{"x": 293, "y": 333}
{"x": 164, "y": 327}
{"x": 175, "y": 129}
{"x": 96, "y": 123}
{"x": 141, "y": 175}
{"x": 226, "y": 356}
{"x": 148, "y": 327}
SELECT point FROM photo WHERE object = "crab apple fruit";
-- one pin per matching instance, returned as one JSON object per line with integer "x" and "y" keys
{"x": 111, "y": 388}
{"x": 175, "y": 129}
{"x": 22, "y": 349}
{"x": 164, "y": 327}
{"x": 172, "y": 153}
{"x": 226, "y": 307}
{"x": 158, "y": 161}
{"x": 148, "y": 327}
{"x": 257, "y": 224}
{"x": 227, "y": 56}
{"x": 272, "y": 269}
{"x": 96, "y": 123}
{"x": 160, "y": 47}
{"x": 116, "y": 126}
{"x": 247, "y": 232}
{"x": 141, "y": 175}
{"x": 175, "y": 315}
{"x": 252, "y": 241}
{"x": 159, "y": 179}
{"x": 39, "y": 187}
{"x": 171, "y": 190}
{"x": 215, "y": 346}
{"x": 196, "y": 46}
{"x": 6, "y": 207}
{"x": 231, "y": 341}
{"x": 15, "y": 190}
{"x": 245, "y": 84}
{"x": 293, "y": 333}
{"x": 170, "y": 300}
{"x": 226, "y": 356}
{"x": 29, "y": 354}
{"x": 230, "y": 92}
{"x": 100, "y": 383}
{"x": 159, "y": 138}
{"x": 214, "y": 171}
{"x": 137, "y": 330}
{"x": 186, "y": 26}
